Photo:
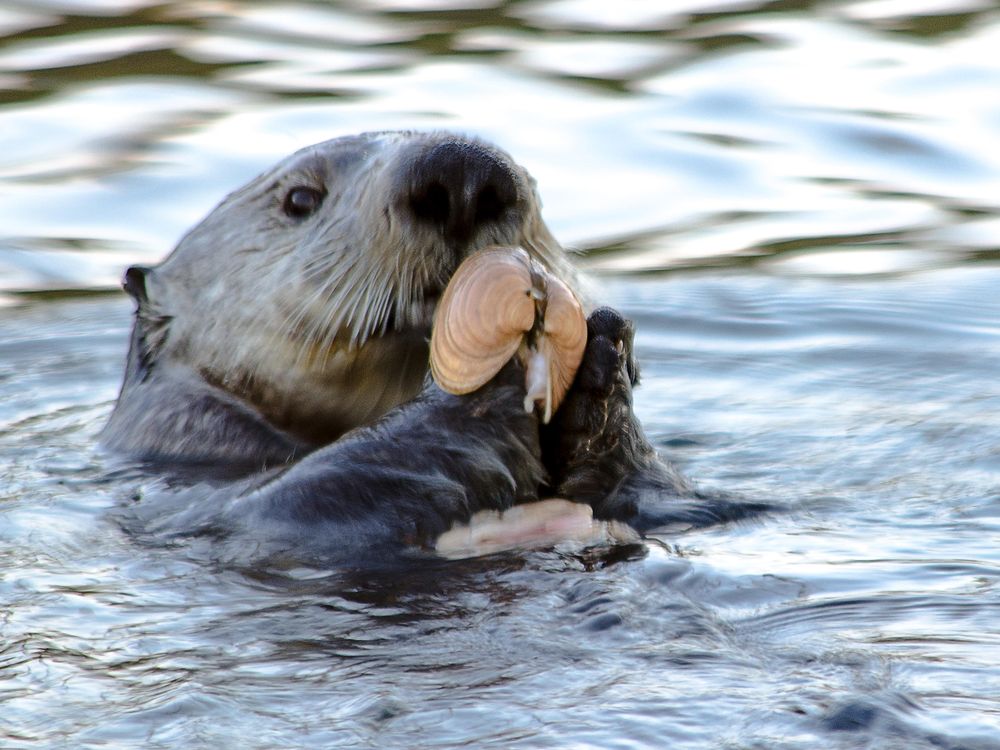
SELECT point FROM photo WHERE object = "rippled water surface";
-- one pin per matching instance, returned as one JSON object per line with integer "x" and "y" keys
{"x": 797, "y": 201}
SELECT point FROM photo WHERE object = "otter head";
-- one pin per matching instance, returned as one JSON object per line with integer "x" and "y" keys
{"x": 309, "y": 293}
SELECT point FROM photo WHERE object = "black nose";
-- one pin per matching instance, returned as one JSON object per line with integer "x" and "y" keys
{"x": 461, "y": 187}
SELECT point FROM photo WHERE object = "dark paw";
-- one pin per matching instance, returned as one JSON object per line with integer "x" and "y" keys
{"x": 595, "y": 441}
{"x": 609, "y": 358}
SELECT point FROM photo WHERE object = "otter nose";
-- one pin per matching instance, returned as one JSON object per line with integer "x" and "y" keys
{"x": 461, "y": 187}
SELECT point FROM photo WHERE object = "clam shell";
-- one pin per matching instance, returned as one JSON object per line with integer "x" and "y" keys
{"x": 482, "y": 317}
{"x": 565, "y": 338}
{"x": 500, "y": 303}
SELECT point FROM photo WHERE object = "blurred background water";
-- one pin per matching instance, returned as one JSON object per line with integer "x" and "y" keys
{"x": 798, "y": 201}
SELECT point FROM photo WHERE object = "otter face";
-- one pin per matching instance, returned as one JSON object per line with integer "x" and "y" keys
{"x": 310, "y": 291}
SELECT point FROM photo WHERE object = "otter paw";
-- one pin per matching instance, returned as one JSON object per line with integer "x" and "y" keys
{"x": 595, "y": 440}
{"x": 600, "y": 398}
{"x": 608, "y": 360}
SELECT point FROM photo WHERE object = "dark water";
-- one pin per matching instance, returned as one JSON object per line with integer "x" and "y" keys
{"x": 799, "y": 204}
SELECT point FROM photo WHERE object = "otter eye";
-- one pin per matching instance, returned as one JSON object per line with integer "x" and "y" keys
{"x": 302, "y": 201}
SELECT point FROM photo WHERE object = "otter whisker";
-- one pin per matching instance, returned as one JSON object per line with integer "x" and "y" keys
{"x": 323, "y": 297}
{"x": 321, "y": 293}
{"x": 384, "y": 310}
{"x": 371, "y": 293}
{"x": 300, "y": 324}
{"x": 376, "y": 317}
{"x": 342, "y": 300}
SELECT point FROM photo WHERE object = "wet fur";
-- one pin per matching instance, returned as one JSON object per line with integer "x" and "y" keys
{"x": 257, "y": 336}
{"x": 381, "y": 489}
{"x": 387, "y": 490}
{"x": 263, "y": 336}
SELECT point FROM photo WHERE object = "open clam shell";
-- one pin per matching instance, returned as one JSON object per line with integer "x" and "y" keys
{"x": 501, "y": 303}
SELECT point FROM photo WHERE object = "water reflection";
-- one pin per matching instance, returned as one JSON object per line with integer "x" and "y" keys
{"x": 817, "y": 123}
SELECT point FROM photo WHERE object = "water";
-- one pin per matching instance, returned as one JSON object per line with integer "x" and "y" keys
{"x": 797, "y": 203}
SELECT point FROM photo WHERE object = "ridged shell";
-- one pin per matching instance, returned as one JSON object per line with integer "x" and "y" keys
{"x": 494, "y": 299}
{"x": 565, "y": 328}
{"x": 481, "y": 319}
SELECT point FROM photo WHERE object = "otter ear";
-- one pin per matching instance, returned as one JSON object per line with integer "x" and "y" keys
{"x": 134, "y": 282}
{"x": 150, "y": 330}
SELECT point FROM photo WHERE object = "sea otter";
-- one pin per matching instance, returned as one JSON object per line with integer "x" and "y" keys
{"x": 301, "y": 306}
{"x": 300, "y": 310}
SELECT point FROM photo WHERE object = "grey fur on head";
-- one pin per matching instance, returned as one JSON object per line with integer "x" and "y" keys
{"x": 307, "y": 295}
